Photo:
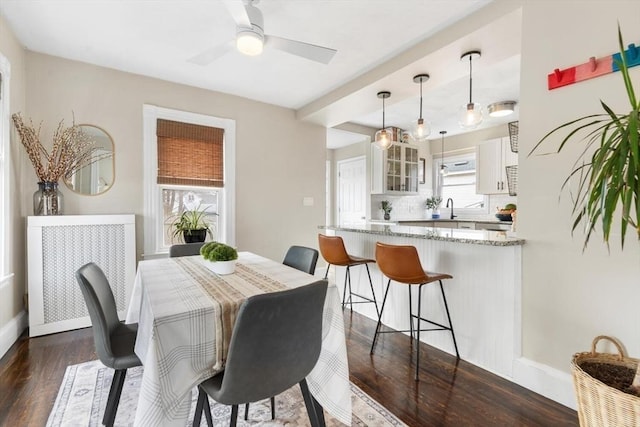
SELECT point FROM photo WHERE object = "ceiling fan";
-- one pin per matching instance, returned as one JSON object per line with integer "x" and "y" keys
{"x": 250, "y": 37}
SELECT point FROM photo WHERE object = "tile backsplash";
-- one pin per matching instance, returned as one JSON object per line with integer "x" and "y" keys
{"x": 412, "y": 207}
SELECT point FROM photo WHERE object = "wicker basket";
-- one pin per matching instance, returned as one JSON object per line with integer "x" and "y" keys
{"x": 598, "y": 404}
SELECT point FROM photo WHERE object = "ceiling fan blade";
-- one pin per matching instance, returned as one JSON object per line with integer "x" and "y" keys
{"x": 238, "y": 12}
{"x": 305, "y": 50}
{"x": 211, "y": 54}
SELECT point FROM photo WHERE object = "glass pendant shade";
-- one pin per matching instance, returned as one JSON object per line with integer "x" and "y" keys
{"x": 384, "y": 138}
{"x": 443, "y": 167}
{"x": 470, "y": 116}
{"x": 420, "y": 130}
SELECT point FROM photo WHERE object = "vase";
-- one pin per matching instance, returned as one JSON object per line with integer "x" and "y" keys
{"x": 435, "y": 214}
{"x": 221, "y": 267}
{"x": 387, "y": 216}
{"x": 48, "y": 199}
{"x": 194, "y": 236}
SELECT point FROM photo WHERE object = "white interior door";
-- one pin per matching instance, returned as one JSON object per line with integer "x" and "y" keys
{"x": 352, "y": 191}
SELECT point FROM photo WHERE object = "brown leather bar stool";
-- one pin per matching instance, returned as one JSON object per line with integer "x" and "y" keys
{"x": 333, "y": 251}
{"x": 402, "y": 264}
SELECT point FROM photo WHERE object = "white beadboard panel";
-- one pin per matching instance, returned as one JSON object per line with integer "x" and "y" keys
{"x": 483, "y": 296}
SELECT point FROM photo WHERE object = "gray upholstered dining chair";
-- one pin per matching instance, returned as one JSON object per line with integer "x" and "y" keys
{"x": 185, "y": 249}
{"x": 275, "y": 344}
{"x": 301, "y": 258}
{"x": 304, "y": 259}
{"x": 113, "y": 339}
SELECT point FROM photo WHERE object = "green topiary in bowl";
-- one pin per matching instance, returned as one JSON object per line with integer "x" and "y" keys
{"x": 216, "y": 251}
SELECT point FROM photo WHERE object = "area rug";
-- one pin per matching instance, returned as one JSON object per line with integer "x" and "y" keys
{"x": 85, "y": 387}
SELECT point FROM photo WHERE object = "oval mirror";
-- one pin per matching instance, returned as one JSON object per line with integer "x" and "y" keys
{"x": 96, "y": 177}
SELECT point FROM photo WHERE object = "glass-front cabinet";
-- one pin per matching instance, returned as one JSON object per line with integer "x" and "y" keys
{"x": 395, "y": 170}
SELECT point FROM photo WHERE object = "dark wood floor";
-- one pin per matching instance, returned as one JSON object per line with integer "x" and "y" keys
{"x": 448, "y": 394}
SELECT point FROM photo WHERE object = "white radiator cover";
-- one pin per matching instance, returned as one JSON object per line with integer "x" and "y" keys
{"x": 57, "y": 247}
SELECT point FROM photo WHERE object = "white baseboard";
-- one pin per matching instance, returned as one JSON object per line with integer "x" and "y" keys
{"x": 545, "y": 380}
{"x": 10, "y": 332}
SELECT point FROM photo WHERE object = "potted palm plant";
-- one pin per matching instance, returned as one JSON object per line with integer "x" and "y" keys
{"x": 606, "y": 178}
{"x": 191, "y": 225}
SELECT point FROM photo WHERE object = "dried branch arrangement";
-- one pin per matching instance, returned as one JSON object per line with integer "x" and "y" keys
{"x": 72, "y": 150}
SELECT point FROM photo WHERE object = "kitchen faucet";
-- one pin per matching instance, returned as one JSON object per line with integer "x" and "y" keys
{"x": 451, "y": 200}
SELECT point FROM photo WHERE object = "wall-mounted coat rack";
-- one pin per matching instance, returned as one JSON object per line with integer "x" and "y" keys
{"x": 593, "y": 68}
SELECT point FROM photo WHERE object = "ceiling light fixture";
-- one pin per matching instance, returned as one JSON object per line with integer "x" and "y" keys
{"x": 501, "y": 109}
{"x": 250, "y": 41}
{"x": 420, "y": 130}
{"x": 471, "y": 113}
{"x": 384, "y": 137}
{"x": 443, "y": 168}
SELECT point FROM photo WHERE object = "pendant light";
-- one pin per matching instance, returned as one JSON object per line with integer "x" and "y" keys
{"x": 443, "y": 168}
{"x": 384, "y": 137}
{"x": 470, "y": 113}
{"x": 420, "y": 130}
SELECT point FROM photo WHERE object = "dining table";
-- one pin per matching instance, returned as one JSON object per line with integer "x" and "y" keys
{"x": 185, "y": 314}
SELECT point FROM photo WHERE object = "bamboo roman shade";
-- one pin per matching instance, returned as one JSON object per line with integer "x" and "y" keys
{"x": 190, "y": 154}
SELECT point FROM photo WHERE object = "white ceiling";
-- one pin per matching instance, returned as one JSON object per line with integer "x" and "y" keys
{"x": 157, "y": 37}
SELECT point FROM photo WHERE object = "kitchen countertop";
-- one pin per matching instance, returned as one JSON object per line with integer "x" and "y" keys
{"x": 484, "y": 221}
{"x": 477, "y": 237}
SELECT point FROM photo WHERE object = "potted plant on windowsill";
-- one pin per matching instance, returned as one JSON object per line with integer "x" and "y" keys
{"x": 222, "y": 257}
{"x": 192, "y": 226}
{"x": 607, "y": 174}
{"x": 433, "y": 204}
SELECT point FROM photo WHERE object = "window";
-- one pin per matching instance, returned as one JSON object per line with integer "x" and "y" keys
{"x": 5, "y": 205}
{"x": 459, "y": 182}
{"x": 190, "y": 173}
{"x": 189, "y": 164}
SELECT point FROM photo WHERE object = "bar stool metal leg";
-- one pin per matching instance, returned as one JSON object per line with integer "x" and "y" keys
{"x": 373, "y": 293}
{"x": 418, "y": 330}
{"x": 384, "y": 300}
{"x": 446, "y": 308}
{"x": 413, "y": 337}
{"x": 347, "y": 277}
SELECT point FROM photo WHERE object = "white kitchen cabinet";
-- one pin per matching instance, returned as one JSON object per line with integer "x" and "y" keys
{"x": 394, "y": 170}
{"x": 57, "y": 246}
{"x": 492, "y": 157}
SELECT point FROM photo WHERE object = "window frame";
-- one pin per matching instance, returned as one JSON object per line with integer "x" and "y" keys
{"x": 153, "y": 222}
{"x": 437, "y": 182}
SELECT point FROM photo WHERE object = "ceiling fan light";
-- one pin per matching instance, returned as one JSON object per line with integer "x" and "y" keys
{"x": 384, "y": 139}
{"x": 421, "y": 130}
{"x": 501, "y": 109}
{"x": 249, "y": 42}
{"x": 470, "y": 115}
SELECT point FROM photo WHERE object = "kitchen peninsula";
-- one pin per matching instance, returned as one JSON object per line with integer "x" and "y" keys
{"x": 483, "y": 296}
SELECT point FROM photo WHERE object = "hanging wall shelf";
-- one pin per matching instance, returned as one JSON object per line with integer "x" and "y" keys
{"x": 592, "y": 68}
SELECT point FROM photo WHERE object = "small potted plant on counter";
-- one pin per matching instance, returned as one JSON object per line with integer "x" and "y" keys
{"x": 433, "y": 204}
{"x": 386, "y": 207}
{"x": 222, "y": 257}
